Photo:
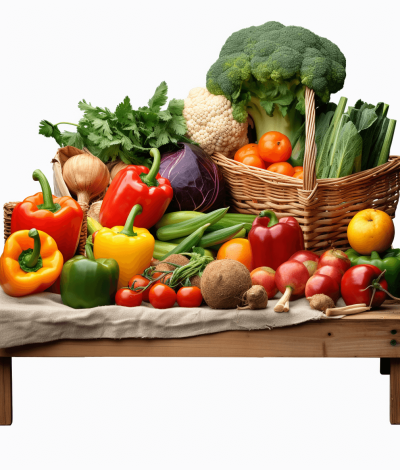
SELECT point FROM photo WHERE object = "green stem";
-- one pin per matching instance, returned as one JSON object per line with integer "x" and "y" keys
{"x": 48, "y": 203}
{"x": 150, "y": 179}
{"x": 128, "y": 228}
{"x": 273, "y": 219}
{"x": 30, "y": 260}
{"x": 70, "y": 123}
{"x": 89, "y": 252}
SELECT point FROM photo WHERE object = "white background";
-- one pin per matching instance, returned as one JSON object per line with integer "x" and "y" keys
{"x": 180, "y": 413}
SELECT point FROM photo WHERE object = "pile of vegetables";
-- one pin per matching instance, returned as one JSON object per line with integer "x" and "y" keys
{"x": 164, "y": 234}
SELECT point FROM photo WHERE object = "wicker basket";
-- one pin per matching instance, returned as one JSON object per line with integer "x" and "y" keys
{"x": 323, "y": 207}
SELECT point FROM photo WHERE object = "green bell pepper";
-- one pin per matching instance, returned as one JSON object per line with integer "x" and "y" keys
{"x": 87, "y": 282}
{"x": 390, "y": 261}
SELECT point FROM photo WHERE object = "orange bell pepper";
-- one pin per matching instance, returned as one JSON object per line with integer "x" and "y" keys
{"x": 30, "y": 263}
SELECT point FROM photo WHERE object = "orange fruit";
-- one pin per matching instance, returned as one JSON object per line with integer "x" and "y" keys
{"x": 298, "y": 174}
{"x": 370, "y": 230}
{"x": 274, "y": 147}
{"x": 297, "y": 168}
{"x": 238, "y": 249}
{"x": 283, "y": 168}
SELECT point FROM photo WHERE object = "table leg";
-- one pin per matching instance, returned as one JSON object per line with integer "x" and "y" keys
{"x": 5, "y": 391}
{"x": 395, "y": 391}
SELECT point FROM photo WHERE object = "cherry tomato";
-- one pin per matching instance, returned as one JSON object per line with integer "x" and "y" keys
{"x": 140, "y": 281}
{"x": 358, "y": 278}
{"x": 162, "y": 296}
{"x": 128, "y": 298}
{"x": 274, "y": 147}
{"x": 283, "y": 168}
{"x": 299, "y": 175}
{"x": 189, "y": 297}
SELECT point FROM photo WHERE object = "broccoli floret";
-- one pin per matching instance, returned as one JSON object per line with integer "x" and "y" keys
{"x": 263, "y": 70}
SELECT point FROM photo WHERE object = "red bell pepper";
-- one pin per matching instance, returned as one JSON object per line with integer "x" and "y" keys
{"x": 137, "y": 185}
{"x": 274, "y": 241}
{"x": 363, "y": 283}
{"x": 59, "y": 217}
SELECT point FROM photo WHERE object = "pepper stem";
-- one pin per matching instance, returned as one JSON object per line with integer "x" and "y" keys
{"x": 30, "y": 260}
{"x": 48, "y": 203}
{"x": 150, "y": 179}
{"x": 128, "y": 228}
{"x": 89, "y": 252}
{"x": 273, "y": 219}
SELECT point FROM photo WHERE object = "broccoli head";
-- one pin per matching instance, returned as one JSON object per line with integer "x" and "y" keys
{"x": 263, "y": 70}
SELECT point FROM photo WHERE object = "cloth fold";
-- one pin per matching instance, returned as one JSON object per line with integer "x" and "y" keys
{"x": 42, "y": 318}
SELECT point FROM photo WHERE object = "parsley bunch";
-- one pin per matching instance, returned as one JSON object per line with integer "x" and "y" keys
{"x": 126, "y": 134}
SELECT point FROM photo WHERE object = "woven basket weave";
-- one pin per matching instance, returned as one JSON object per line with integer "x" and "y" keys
{"x": 323, "y": 207}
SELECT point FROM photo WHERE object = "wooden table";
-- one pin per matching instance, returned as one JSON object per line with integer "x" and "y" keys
{"x": 373, "y": 334}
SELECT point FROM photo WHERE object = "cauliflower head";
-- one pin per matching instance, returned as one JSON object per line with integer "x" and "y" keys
{"x": 210, "y": 123}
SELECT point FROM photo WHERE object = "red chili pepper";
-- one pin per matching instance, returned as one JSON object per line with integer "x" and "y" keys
{"x": 59, "y": 217}
{"x": 358, "y": 284}
{"x": 137, "y": 185}
{"x": 274, "y": 241}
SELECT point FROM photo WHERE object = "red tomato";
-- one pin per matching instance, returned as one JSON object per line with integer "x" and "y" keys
{"x": 189, "y": 297}
{"x": 274, "y": 147}
{"x": 297, "y": 168}
{"x": 162, "y": 296}
{"x": 299, "y": 175}
{"x": 140, "y": 281}
{"x": 358, "y": 278}
{"x": 128, "y": 298}
{"x": 283, "y": 168}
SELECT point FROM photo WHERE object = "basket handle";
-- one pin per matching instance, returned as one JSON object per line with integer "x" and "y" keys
{"x": 310, "y": 152}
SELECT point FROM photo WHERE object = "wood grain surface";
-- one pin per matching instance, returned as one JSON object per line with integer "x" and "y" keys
{"x": 5, "y": 391}
{"x": 395, "y": 391}
{"x": 350, "y": 337}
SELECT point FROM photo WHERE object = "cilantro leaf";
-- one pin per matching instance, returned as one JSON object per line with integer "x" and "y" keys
{"x": 178, "y": 125}
{"x": 159, "y": 98}
{"x": 176, "y": 106}
{"x": 73, "y": 138}
{"x": 126, "y": 134}
{"x": 47, "y": 129}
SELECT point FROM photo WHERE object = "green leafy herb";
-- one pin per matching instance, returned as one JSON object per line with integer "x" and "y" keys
{"x": 126, "y": 134}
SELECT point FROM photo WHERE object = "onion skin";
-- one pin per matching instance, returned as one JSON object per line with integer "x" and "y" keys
{"x": 86, "y": 176}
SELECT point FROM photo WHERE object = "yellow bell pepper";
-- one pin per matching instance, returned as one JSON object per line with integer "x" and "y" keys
{"x": 30, "y": 263}
{"x": 130, "y": 246}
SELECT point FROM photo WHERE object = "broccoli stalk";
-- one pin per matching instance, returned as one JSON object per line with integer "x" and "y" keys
{"x": 287, "y": 124}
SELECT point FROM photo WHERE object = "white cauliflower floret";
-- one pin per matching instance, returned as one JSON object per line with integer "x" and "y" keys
{"x": 210, "y": 123}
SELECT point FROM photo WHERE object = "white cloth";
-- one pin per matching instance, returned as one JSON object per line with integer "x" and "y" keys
{"x": 42, "y": 317}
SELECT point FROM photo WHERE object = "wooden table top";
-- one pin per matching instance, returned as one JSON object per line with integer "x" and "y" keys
{"x": 371, "y": 334}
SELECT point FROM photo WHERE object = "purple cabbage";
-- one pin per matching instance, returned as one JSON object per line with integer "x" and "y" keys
{"x": 197, "y": 181}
